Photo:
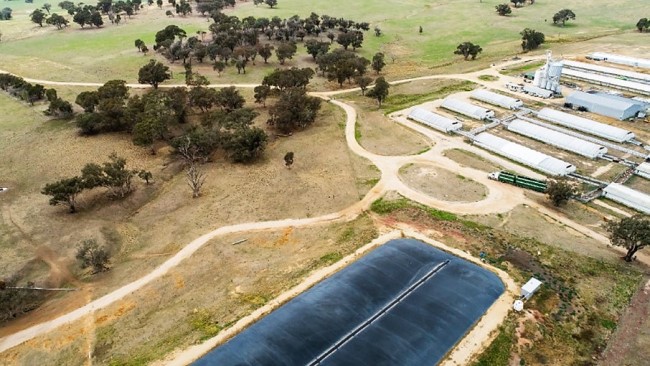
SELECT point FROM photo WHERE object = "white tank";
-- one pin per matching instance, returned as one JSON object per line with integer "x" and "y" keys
{"x": 555, "y": 69}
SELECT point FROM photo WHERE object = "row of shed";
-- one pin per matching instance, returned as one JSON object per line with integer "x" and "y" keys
{"x": 606, "y": 70}
{"x": 643, "y": 170}
{"x": 586, "y": 125}
{"x": 524, "y": 155}
{"x": 605, "y": 80}
{"x": 557, "y": 139}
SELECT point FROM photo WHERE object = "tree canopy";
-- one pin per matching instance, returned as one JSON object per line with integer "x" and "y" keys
{"x": 560, "y": 191}
{"x": 563, "y": 16}
{"x": 631, "y": 233}
{"x": 379, "y": 91}
{"x": 467, "y": 49}
{"x": 153, "y": 73}
{"x": 531, "y": 39}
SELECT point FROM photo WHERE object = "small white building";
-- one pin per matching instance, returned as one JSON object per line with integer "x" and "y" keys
{"x": 496, "y": 99}
{"x": 528, "y": 289}
{"x": 628, "y": 197}
{"x": 467, "y": 109}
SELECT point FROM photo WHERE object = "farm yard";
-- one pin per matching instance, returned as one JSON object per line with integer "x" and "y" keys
{"x": 188, "y": 274}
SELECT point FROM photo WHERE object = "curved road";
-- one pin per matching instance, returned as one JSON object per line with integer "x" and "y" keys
{"x": 501, "y": 197}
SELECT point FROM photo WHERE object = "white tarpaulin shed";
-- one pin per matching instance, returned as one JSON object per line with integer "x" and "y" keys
{"x": 643, "y": 170}
{"x": 434, "y": 120}
{"x": 528, "y": 289}
{"x": 467, "y": 109}
{"x": 496, "y": 99}
{"x": 605, "y": 70}
{"x": 523, "y": 155}
{"x": 608, "y": 81}
{"x": 586, "y": 125}
{"x": 628, "y": 197}
{"x": 557, "y": 139}
{"x": 621, "y": 60}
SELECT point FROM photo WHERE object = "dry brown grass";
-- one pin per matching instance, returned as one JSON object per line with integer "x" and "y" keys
{"x": 442, "y": 184}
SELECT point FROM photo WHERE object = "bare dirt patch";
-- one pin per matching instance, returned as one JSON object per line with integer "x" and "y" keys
{"x": 381, "y": 135}
{"x": 442, "y": 184}
{"x": 469, "y": 159}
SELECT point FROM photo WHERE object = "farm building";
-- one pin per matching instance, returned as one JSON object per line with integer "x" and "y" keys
{"x": 607, "y": 105}
{"x": 467, "y": 109}
{"x": 434, "y": 120}
{"x": 607, "y": 71}
{"x": 586, "y": 125}
{"x": 628, "y": 197}
{"x": 609, "y": 81}
{"x": 528, "y": 289}
{"x": 557, "y": 139}
{"x": 643, "y": 170}
{"x": 621, "y": 60}
{"x": 523, "y": 155}
{"x": 497, "y": 99}
{"x": 537, "y": 92}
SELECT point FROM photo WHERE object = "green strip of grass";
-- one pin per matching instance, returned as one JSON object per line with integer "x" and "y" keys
{"x": 498, "y": 354}
{"x": 383, "y": 207}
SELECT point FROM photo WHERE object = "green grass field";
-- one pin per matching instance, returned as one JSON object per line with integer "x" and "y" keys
{"x": 107, "y": 53}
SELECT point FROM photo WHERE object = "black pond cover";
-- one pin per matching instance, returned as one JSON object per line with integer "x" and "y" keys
{"x": 406, "y": 303}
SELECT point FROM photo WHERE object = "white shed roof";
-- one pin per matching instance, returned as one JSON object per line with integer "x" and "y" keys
{"x": 608, "y": 80}
{"x": 606, "y": 70}
{"x": 628, "y": 197}
{"x": 434, "y": 120}
{"x": 467, "y": 109}
{"x": 532, "y": 285}
{"x": 623, "y": 60}
{"x": 496, "y": 99}
{"x": 558, "y": 139}
{"x": 537, "y": 90}
{"x": 586, "y": 125}
{"x": 643, "y": 170}
{"x": 524, "y": 155}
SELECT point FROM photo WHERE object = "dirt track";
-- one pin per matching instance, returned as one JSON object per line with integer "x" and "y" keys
{"x": 500, "y": 198}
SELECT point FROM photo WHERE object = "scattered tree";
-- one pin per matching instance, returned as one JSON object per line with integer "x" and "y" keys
{"x": 363, "y": 82}
{"x": 47, "y": 7}
{"x": 288, "y": 159}
{"x": 245, "y": 145}
{"x": 145, "y": 176}
{"x": 531, "y": 39}
{"x": 560, "y": 191}
{"x": 518, "y": 3}
{"x": 563, "y": 16}
{"x": 468, "y": 49}
{"x": 631, "y": 233}
{"x": 57, "y": 20}
{"x": 503, "y": 9}
{"x": 379, "y": 91}
{"x": 285, "y": 50}
{"x": 153, "y": 73}
{"x": 5, "y": 14}
{"x": 38, "y": 17}
{"x": 90, "y": 254}
{"x": 261, "y": 93}
{"x": 271, "y": 3}
{"x": 378, "y": 62}
{"x": 195, "y": 179}
{"x": 64, "y": 192}
{"x": 643, "y": 24}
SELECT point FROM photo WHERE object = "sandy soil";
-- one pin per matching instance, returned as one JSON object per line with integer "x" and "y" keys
{"x": 381, "y": 135}
{"x": 466, "y": 158}
{"x": 442, "y": 183}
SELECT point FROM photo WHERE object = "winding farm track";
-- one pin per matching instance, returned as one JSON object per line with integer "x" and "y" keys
{"x": 501, "y": 198}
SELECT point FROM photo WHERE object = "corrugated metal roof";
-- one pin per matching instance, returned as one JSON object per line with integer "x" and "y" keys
{"x": 643, "y": 170}
{"x": 537, "y": 90}
{"x": 523, "y": 155}
{"x": 467, "y": 109}
{"x": 608, "y": 80}
{"x": 621, "y": 104}
{"x": 586, "y": 125}
{"x": 496, "y": 99}
{"x": 558, "y": 139}
{"x": 607, "y": 70}
{"x": 434, "y": 120}
{"x": 628, "y": 197}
